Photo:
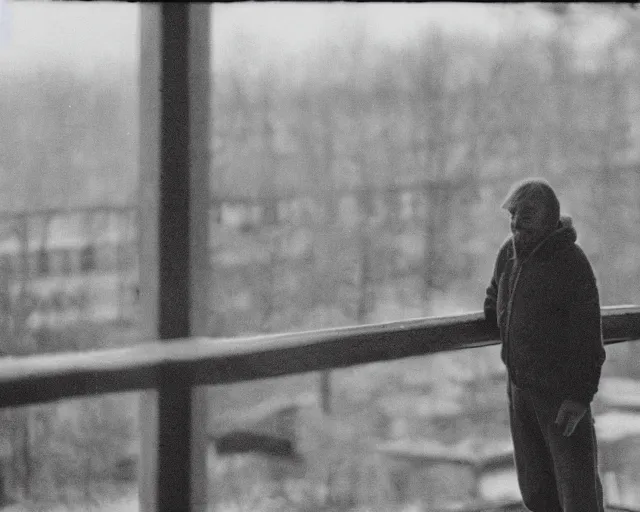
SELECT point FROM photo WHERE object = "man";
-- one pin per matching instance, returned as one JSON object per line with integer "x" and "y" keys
{"x": 544, "y": 299}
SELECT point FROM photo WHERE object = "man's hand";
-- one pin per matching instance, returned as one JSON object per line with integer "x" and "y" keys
{"x": 569, "y": 415}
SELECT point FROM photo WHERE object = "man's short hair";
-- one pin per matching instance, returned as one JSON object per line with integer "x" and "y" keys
{"x": 536, "y": 190}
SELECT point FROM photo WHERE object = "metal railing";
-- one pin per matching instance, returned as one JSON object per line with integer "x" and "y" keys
{"x": 211, "y": 361}
{"x": 201, "y": 361}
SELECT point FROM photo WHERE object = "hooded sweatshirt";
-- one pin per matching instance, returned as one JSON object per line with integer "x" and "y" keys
{"x": 547, "y": 308}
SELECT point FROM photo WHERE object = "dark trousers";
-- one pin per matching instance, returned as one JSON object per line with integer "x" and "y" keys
{"x": 555, "y": 473}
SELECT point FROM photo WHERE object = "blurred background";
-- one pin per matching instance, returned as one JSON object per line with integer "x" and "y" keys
{"x": 360, "y": 155}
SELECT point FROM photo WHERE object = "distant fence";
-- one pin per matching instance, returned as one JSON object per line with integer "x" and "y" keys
{"x": 67, "y": 253}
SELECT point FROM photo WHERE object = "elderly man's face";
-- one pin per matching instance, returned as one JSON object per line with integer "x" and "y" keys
{"x": 529, "y": 222}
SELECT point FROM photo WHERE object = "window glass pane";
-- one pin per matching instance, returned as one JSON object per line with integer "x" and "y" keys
{"x": 361, "y": 155}
{"x": 68, "y": 180}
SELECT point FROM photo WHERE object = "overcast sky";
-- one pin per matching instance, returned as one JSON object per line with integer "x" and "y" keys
{"x": 94, "y": 35}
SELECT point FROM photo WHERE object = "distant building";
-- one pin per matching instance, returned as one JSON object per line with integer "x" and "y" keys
{"x": 80, "y": 265}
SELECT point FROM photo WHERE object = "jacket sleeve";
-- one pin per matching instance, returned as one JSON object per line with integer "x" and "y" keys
{"x": 586, "y": 347}
{"x": 491, "y": 297}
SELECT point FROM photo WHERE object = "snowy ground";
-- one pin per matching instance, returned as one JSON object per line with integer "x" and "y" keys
{"x": 128, "y": 503}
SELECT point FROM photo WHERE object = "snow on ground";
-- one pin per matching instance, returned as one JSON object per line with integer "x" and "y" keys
{"x": 127, "y": 503}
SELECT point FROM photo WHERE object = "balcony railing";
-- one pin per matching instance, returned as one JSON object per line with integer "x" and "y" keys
{"x": 202, "y": 361}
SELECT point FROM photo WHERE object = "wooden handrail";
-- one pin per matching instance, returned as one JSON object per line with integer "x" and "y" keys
{"x": 211, "y": 361}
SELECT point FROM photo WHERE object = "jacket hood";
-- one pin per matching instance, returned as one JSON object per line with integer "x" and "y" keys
{"x": 561, "y": 239}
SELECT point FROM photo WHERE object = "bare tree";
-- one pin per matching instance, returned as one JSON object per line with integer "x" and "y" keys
{"x": 432, "y": 150}
{"x": 19, "y": 303}
{"x": 359, "y": 110}
{"x": 268, "y": 194}
{"x": 315, "y": 125}
{"x": 615, "y": 143}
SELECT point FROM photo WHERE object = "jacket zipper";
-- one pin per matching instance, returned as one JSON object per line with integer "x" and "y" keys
{"x": 512, "y": 294}
{"x": 509, "y": 307}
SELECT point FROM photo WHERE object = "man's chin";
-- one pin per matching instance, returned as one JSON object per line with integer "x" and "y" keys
{"x": 523, "y": 241}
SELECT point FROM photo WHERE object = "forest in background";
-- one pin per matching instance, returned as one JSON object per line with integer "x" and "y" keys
{"x": 306, "y": 233}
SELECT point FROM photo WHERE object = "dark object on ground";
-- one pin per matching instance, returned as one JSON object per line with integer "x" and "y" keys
{"x": 252, "y": 442}
{"x": 126, "y": 469}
